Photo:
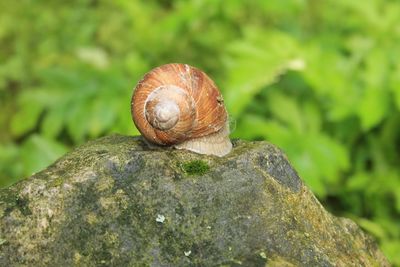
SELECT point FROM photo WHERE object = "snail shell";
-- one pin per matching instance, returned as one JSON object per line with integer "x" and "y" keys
{"x": 180, "y": 106}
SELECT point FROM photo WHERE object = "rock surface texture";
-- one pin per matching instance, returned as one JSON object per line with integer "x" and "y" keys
{"x": 118, "y": 202}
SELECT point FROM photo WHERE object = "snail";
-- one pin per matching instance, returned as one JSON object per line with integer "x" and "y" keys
{"x": 179, "y": 105}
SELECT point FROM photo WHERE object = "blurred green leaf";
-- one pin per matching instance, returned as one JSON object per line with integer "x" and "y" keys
{"x": 102, "y": 117}
{"x": 358, "y": 182}
{"x": 371, "y": 227}
{"x": 391, "y": 250}
{"x": 329, "y": 75}
{"x": 373, "y": 107}
{"x": 78, "y": 121}
{"x": 255, "y": 62}
{"x": 286, "y": 110}
{"x": 11, "y": 169}
{"x": 53, "y": 122}
{"x": 26, "y": 117}
{"x": 374, "y": 103}
{"x": 37, "y": 152}
{"x": 395, "y": 85}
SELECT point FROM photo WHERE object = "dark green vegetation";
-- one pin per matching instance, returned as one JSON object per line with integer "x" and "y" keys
{"x": 320, "y": 79}
{"x": 124, "y": 204}
{"x": 195, "y": 167}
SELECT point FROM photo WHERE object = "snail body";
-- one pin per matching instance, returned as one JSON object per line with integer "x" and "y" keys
{"x": 179, "y": 105}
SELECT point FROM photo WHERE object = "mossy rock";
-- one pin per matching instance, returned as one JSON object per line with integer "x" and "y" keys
{"x": 117, "y": 202}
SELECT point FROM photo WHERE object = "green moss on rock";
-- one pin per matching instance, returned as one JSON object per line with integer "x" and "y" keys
{"x": 195, "y": 167}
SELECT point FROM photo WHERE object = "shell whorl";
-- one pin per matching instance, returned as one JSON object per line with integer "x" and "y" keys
{"x": 175, "y": 104}
{"x": 164, "y": 106}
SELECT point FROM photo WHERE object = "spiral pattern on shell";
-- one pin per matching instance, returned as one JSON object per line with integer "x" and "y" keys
{"x": 175, "y": 103}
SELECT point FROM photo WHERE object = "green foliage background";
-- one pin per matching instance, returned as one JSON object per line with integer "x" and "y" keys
{"x": 320, "y": 79}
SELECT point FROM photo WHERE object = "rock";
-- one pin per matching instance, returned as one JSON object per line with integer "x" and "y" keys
{"x": 116, "y": 201}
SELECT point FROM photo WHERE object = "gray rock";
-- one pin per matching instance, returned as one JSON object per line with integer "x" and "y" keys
{"x": 116, "y": 201}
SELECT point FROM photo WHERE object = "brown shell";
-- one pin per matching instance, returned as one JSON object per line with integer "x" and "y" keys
{"x": 204, "y": 112}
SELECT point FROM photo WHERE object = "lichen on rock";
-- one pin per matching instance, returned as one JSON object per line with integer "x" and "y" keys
{"x": 117, "y": 202}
